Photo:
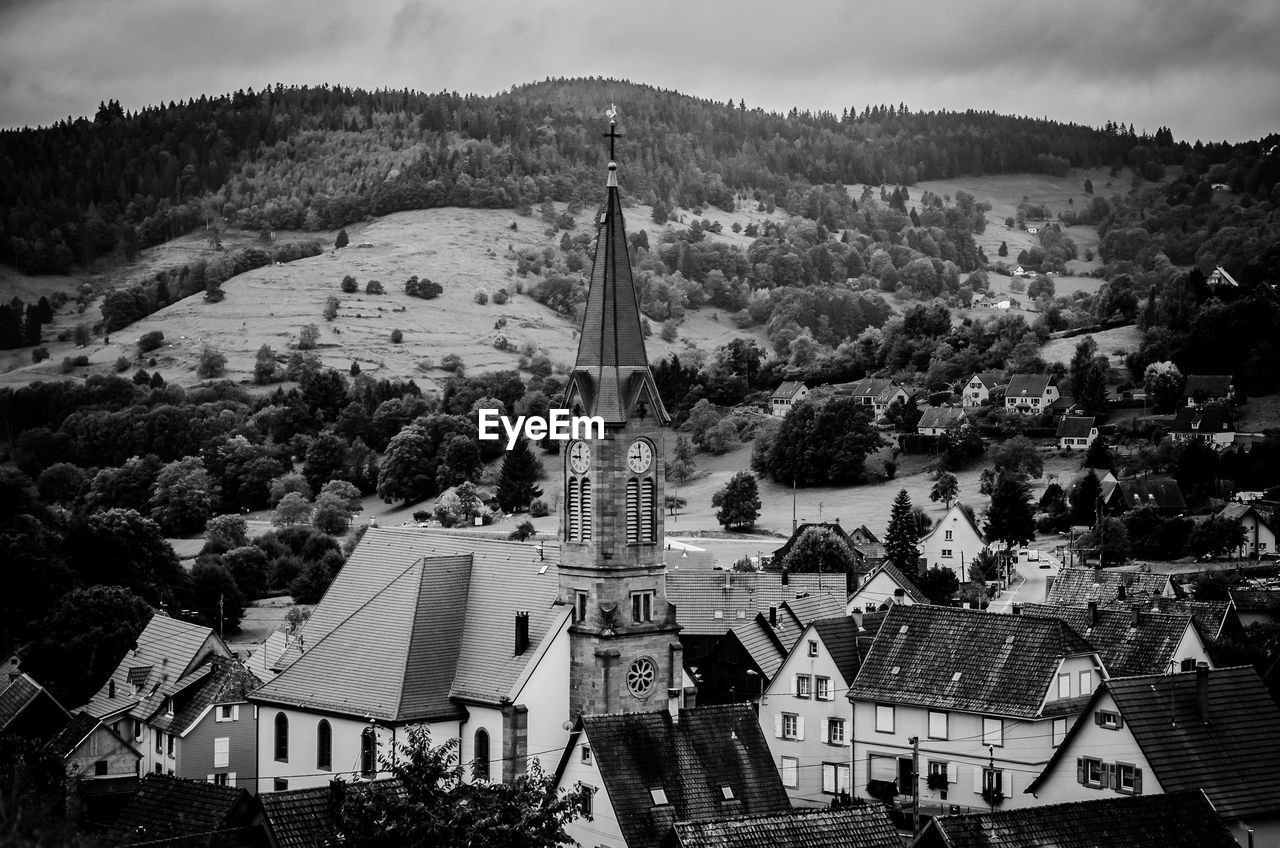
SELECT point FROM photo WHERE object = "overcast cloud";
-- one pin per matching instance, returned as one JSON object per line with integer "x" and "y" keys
{"x": 1206, "y": 70}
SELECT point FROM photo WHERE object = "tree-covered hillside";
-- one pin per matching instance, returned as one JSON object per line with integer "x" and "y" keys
{"x": 319, "y": 158}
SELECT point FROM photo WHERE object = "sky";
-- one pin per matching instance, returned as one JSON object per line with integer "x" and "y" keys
{"x": 1207, "y": 70}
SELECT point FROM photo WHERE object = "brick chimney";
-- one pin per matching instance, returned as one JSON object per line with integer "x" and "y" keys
{"x": 1202, "y": 690}
{"x": 522, "y": 632}
{"x": 1121, "y": 594}
{"x": 1137, "y": 617}
{"x": 673, "y": 705}
{"x": 773, "y": 616}
{"x": 1093, "y": 613}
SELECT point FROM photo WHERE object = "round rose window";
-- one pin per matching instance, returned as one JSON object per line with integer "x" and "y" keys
{"x": 641, "y": 676}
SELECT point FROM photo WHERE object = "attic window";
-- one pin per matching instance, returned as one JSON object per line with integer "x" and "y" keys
{"x": 718, "y": 614}
{"x": 902, "y": 630}
{"x": 726, "y": 792}
{"x": 659, "y": 796}
{"x": 742, "y": 613}
{"x": 955, "y": 678}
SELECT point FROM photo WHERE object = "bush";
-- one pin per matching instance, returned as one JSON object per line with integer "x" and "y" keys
{"x": 349, "y": 284}
{"x": 523, "y": 532}
{"x": 539, "y": 508}
{"x": 331, "y": 307}
{"x": 212, "y": 364}
{"x": 501, "y": 296}
{"x": 122, "y": 364}
{"x": 397, "y": 336}
{"x": 150, "y": 341}
{"x": 71, "y": 363}
{"x": 374, "y": 287}
{"x": 39, "y": 354}
{"x": 308, "y": 336}
{"x": 342, "y": 240}
{"x": 424, "y": 288}
{"x": 452, "y": 362}
{"x": 482, "y": 298}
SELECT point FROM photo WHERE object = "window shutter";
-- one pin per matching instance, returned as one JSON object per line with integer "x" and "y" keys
{"x": 633, "y": 511}
{"x": 1137, "y": 781}
{"x": 977, "y": 780}
{"x": 777, "y": 726}
{"x": 1006, "y": 783}
{"x": 1108, "y": 775}
{"x": 231, "y": 778}
{"x": 235, "y": 713}
{"x": 1119, "y": 721}
{"x": 1080, "y": 777}
{"x": 795, "y": 685}
{"x": 953, "y": 773}
{"x": 1097, "y": 717}
{"x": 822, "y": 731}
{"x": 800, "y": 727}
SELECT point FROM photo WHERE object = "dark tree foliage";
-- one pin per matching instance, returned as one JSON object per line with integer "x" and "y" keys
{"x": 215, "y": 597}
{"x": 901, "y": 536}
{"x": 819, "y": 550}
{"x": 738, "y": 503}
{"x": 821, "y": 443}
{"x": 1085, "y": 500}
{"x": 119, "y": 547}
{"x": 1196, "y": 470}
{"x": 1011, "y": 517}
{"x": 1099, "y": 455}
{"x": 938, "y": 584}
{"x": 517, "y": 483}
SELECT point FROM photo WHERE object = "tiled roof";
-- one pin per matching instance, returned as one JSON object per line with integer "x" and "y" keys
{"x": 307, "y": 818}
{"x": 1211, "y": 385}
{"x": 171, "y": 649}
{"x": 940, "y": 416}
{"x": 697, "y": 596}
{"x": 989, "y": 379}
{"x": 166, "y": 807}
{"x": 1202, "y": 419}
{"x": 76, "y": 731}
{"x": 415, "y": 619}
{"x": 1027, "y": 385}
{"x": 1256, "y": 600}
{"x": 709, "y": 748}
{"x": 760, "y": 641}
{"x": 267, "y": 655}
{"x": 965, "y": 660}
{"x": 875, "y": 387}
{"x": 1163, "y": 493}
{"x": 1074, "y": 427}
{"x": 855, "y": 827}
{"x": 228, "y": 682}
{"x": 1176, "y": 820}
{"x": 809, "y": 608}
{"x": 1126, "y": 649}
{"x": 787, "y": 389}
{"x": 15, "y": 697}
{"x": 895, "y": 574}
{"x": 959, "y": 509}
{"x": 1074, "y": 586}
{"x": 840, "y": 636}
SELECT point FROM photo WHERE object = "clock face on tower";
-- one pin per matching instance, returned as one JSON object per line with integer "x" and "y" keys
{"x": 580, "y": 457}
{"x": 639, "y": 456}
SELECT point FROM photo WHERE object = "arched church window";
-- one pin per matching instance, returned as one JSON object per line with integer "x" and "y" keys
{"x": 480, "y": 764}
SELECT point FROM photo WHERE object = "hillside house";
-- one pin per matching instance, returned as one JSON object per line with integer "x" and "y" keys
{"x": 1216, "y": 730}
{"x": 1030, "y": 394}
{"x": 1106, "y": 482}
{"x": 935, "y": 420}
{"x": 788, "y": 395}
{"x": 882, "y": 588}
{"x": 1200, "y": 389}
{"x": 862, "y": 535}
{"x": 1178, "y": 820}
{"x": 102, "y": 764}
{"x": 1133, "y": 641}
{"x": 1220, "y": 277}
{"x": 649, "y": 770}
{"x": 878, "y": 394}
{"x": 1211, "y": 424}
{"x": 1256, "y": 606}
{"x": 780, "y": 553}
{"x": 989, "y": 697}
{"x": 1160, "y": 493}
{"x": 1019, "y": 271}
{"x": 804, "y": 716}
{"x": 1076, "y": 432}
{"x": 953, "y": 543}
{"x": 1259, "y": 533}
{"x": 977, "y": 391}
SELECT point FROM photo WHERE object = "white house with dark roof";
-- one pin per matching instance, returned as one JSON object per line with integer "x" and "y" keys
{"x": 786, "y": 397}
{"x": 978, "y": 390}
{"x": 1200, "y": 389}
{"x": 884, "y": 586}
{"x": 1259, "y": 533}
{"x": 989, "y": 696}
{"x": 876, "y": 393}
{"x": 1030, "y": 394}
{"x": 953, "y": 543}
{"x": 1076, "y": 432}
{"x": 934, "y": 420}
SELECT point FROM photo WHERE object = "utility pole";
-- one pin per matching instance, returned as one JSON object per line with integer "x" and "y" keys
{"x": 989, "y": 783}
{"x": 915, "y": 785}
{"x": 1102, "y": 531}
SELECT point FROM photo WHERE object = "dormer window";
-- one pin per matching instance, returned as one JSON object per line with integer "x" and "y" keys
{"x": 168, "y": 706}
{"x": 726, "y": 792}
{"x": 659, "y": 796}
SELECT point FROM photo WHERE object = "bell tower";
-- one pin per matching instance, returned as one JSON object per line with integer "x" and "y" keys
{"x": 624, "y": 653}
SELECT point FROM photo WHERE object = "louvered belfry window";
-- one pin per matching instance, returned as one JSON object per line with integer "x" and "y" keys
{"x": 633, "y": 511}
{"x": 647, "y": 509}
{"x": 572, "y": 508}
{"x": 584, "y": 508}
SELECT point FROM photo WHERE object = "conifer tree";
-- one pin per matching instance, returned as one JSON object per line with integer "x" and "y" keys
{"x": 517, "y": 485}
{"x": 900, "y": 538}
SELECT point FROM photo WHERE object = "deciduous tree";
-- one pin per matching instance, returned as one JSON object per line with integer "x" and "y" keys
{"x": 738, "y": 503}
{"x": 946, "y": 488}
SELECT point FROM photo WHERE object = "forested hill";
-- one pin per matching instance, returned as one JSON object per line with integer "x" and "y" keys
{"x": 319, "y": 158}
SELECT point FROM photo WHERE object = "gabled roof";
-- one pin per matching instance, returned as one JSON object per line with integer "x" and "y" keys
{"x": 1106, "y": 481}
{"x": 699, "y": 594}
{"x": 1214, "y": 618}
{"x": 1208, "y": 419}
{"x": 1160, "y": 492}
{"x": 1075, "y": 427}
{"x": 989, "y": 379}
{"x": 308, "y": 818}
{"x": 77, "y": 730}
{"x": 1239, "y": 511}
{"x": 787, "y": 389}
{"x": 841, "y": 636}
{"x": 762, "y": 644}
{"x": 165, "y": 807}
{"x": 1126, "y": 648}
{"x": 1232, "y": 756}
{"x": 809, "y": 608}
{"x": 1256, "y": 600}
{"x": 958, "y": 512}
{"x": 709, "y": 748}
{"x": 15, "y": 697}
{"x": 880, "y": 388}
{"x": 1077, "y": 586}
{"x": 1208, "y": 385}
{"x": 895, "y": 574}
{"x": 865, "y": 531}
{"x": 965, "y": 660}
{"x": 854, "y": 827}
{"x": 1174, "y": 820}
{"x": 228, "y": 682}
{"x": 167, "y": 651}
{"x": 1027, "y": 386}
{"x": 416, "y": 622}
{"x": 941, "y": 416}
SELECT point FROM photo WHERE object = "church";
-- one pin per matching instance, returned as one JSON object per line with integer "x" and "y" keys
{"x": 501, "y": 645}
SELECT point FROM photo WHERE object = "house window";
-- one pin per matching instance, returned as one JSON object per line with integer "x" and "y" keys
{"x": 480, "y": 761}
{"x": 835, "y": 731}
{"x": 947, "y": 536}
{"x": 641, "y": 607}
{"x": 168, "y": 706}
{"x": 1128, "y": 779}
{"x": 1086, "y": 682}
{"x": 790, "y": 726}
{"x": 222, "y": 752}
{"x": 324, "y": 745}
{"x": 1064, "y": 685}
{"x": 588, "y": 807}
{"x": 946, "y": 553}
{"x": 726, "y": 793}
{"x": 789, "y": 770}
{"x": 227, "y": 712}
{"x": 835, "y": 778}
{"x": 282, "y": 738}
{"x": 280, "y": 784}
{"x": 159, "y": 769}
{"x": 1188, "y": 664}
{"x": 169, "y": 745}
{"x": 100, "y": 768}
{"x": 993, "y": 732}
{"x": 586, "y": 754}
{"x": 813, "y": 647}
{"x": 804, "y": 685}
{"x": 1091, "y": 772}
{"x": 580, "y": 605}
{"x": 137, "y": 730}
{"x": 368, "y": 753}
{"x": 1108, "y": 720}
{"x": 220, "y": 779}
{"x": 993, "y": 779}
{"x": 884, "y": 718}
{"x": 937, "y": 725}
{"x": 822, "y": 688}
{"x": 159, "y": 742}
{"x": 1059, "y": 731}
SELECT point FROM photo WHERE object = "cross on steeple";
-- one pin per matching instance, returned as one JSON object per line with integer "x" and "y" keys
{"x": 612, "y": 134}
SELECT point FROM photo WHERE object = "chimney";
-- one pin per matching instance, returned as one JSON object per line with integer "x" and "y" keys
{"x": 773, "y": 616}
{"x": 1093, "y": 613}
{"x": 785, "y": 579}
{"x": 899, "y": 594}
{"x": 1137, "y": 617}
{"x": 673, "y": 705}
{"x": 1015, "y": 609}
{"x": 522, "y": 632}
{"x": 1202, "y": 690}
{"x": 1120, "y": 592}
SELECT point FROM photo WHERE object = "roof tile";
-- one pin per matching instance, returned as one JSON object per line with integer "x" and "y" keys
{"x": 855, "y": 827}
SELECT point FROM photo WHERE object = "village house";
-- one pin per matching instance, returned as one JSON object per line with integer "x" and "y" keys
{"x": 875, "y": 393}
{"x": 1106, "y": 482}
{"x": 647, "y": 771}
{"x": 934, "y": 420}
{"x": 28, "y": 710}
{"x": 1210, "y": 424}
{"x": 168, "y": 810}
{"x": 977, "y": 391}
{"x": 1162, "y": 494}
{"x": 1220, "y": 277}
{"x": 788, "y": 395}
{"x": 100, "y": 765}
{"x": 1201, "y": 389}
{"x": 1259, "y": 534}
{"x": 1076, "y": 432}
{"x": 1134, "y": 641}
{"x": 806, "y": 718}
{"x": 1256, "y": 606}
{"x": 1216, "y": 730}
{"x": 1079, "y": 586}
{"x": 883, "y": 587}
{"x": 307, "y": 818}
{"x": 1030, "y": 394}
{"x": 988, "y": 696}
{"x": 851, "y": 827}
{"x": 1177, "y": 820}
{"x": 953, "y": 543}
{"x": 862, "y": 535}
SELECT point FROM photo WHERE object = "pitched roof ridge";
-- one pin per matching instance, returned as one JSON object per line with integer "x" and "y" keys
{"x": 420, "y": 609}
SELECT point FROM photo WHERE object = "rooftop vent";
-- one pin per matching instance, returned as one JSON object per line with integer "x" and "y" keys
{"x": 895, "y": 669}
{"x": 659, "y": 796}
{"x": 902, "y": 630}
{"x": 955, "y": 678}
{"x": 522, "y": 632}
